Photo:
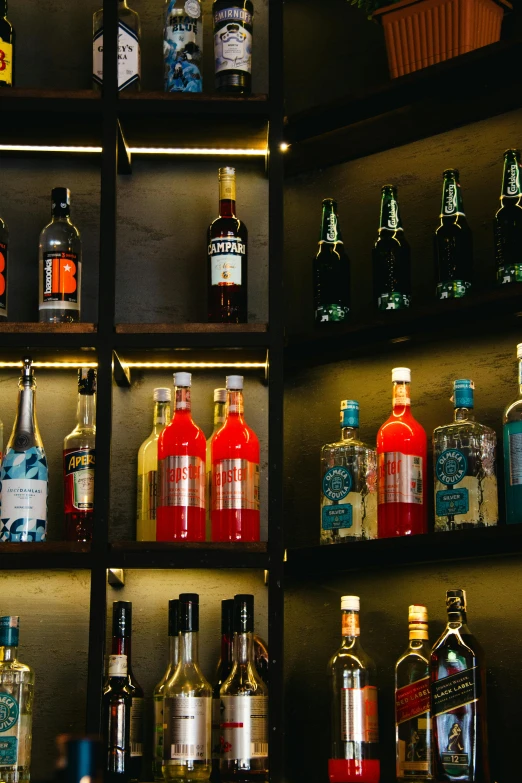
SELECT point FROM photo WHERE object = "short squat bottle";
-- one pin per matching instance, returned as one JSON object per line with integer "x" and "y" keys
{"x": 464, "y": 456}
{"x": 183, "y": 46}
{"x": 512, "y": 433}
{"x": 508, "y": 222}
{"x": 129, "y": 48}
{"x": 453, "y": 242}
{"x": 331, "y": 270}
{"x": 391, "y": 257}
{"x": 348, "y": 484}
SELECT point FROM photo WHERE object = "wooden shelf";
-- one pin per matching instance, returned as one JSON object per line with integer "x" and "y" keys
{"x": 44, "y": 555}
{"x": 20, "y": 327}
{"x": 155, "y": 554}
{"x": 191, "y": 328}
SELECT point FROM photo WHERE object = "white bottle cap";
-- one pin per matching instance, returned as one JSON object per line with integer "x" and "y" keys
{"x": 401, "y": 374}
{"x": 234, "y": 382}
{"x": 162, "y": 395}
{"x": 182, "y": 379}
{"x": 350, "y": 603}
{"x": 220, "y": 395}
{"x": 519, "y": 351}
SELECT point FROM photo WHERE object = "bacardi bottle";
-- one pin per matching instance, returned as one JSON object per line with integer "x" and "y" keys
{"x": 508, "y": 222}
{"x": 402, "y": 464}
{"x": 159, "y": 690}
{"x": 129, "y": 51}
{"x": 453, "y": 242}
{"x": 147, "y": 494}
{"x": 4, "y": 253}
{"x": 391, "y": 257}
{"x": 181, "y": 472}
{"x": 79, "y": 462}
{"x": 331, "y": 270}
{"x": 183, "y": 46}
{"x": 354, "y": 756}
{"x": 235, "y": 473}
{"x": 464, "y": 455}
{"x": 512, "y": 421}
{"x": 6, "y": 47}
{"x": 24, "y": 476}
{"x": 16, "y": 698}
{"x": 233, "y": 37}
{"x": 348, "y": 484}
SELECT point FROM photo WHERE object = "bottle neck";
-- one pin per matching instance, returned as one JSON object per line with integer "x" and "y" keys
{"x": 220, "y": 413}
{"x": 390, "y": 219}
{"x": 227, "y": 208}
{"x": 8, "y": 653}
{"x": 464, "y": 414}
{"x": 174, "y": 650}
{"x": 122, "y": 646}
{"x": 458, "y": 617}
{"x": 350, "y": 626}
{"x": 60, "y": 214}
{"x": 3, "y": 9}
{"x": 235, "y": 405}
{"x": 452, "y": 203}
{"x": 189, "y": 648}
{"x": 330, "y": 232}
{"x": 227, "y": 650}
{"x": 418, "y": 632}
{"x": 511, "y": 185}
{"x": 244, "y": 648}
{"x": 182, "y": 395}
{"x": 86, "y": 411}
{"x": 161, "y": 416}
{"x": 349, "y": 433}
{"x": 401, "y": 395}
{"x": 26, "y": 413}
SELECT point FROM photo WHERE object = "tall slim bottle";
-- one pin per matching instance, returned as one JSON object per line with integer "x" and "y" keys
{"x": 412, "y": 703}
{"x": 6, "y": 47}
{"x": 224, "y": 667}
{"x": 244, "y": 706}
{"x": 512, "y": 432}
{"x": 187, "y": 705}
{"x": 116, "y": 721}
{"x": 147, "y": 495}
{"x": 16, "y": 706}
{"x": 391, "y": 257}
{"x": 159, "y": 690}
{"x": 233, "y": 38}
{"x": 331, "y": 270}
{"x": 60, "y": 264}
{"x": 181, "y": 472}
{"x": 220, "y": 413}
{"x": 508, "y": 222}
{"x": 453, "y": 242}
{"x": 354, "y": 756}
{"x": 129, "y": 51}
{"x": 402, "y": 465}
{"x": 235, "y": 473}
{"x": 4, "y": 254}
{"x": 24, "y": 475}
{"x": 79, "y": 462}
{"x": 183, "y": 46}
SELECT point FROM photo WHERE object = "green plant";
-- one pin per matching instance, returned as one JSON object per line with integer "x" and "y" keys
{"x": 370, "y": 6}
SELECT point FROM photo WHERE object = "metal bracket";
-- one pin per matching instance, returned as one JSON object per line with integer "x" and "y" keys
{"x": 121, "y": 372}
{"x": 116, "y": 577}
{"x": 124, "y": 153}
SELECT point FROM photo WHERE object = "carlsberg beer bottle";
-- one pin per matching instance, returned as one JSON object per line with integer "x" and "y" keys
{"x": 453, "y": 242}
{"x": 508, "y": 222}
{"x": 331, "y": 270}
{"x": 391, "y": 257}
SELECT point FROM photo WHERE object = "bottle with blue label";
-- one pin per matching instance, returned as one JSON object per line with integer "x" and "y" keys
{"x": 348, "y": 484}
{"x": 464, "y": 456}
{"x": 512, "y": 420}
{"x": 183, "y": 46}
{"x": 16, "y": 706}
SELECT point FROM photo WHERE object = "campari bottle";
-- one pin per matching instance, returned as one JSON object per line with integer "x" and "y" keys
{"x": 235, "y": 473}
{"x": 180, "y": 513}
{"x": 401, "y": 460}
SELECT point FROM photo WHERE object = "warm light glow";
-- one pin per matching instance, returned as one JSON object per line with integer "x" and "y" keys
{"x": 284, "y": 147}
{"x": 52, "y": 365}
{"x": 234, "y": 151}
{"x": 39, "y": 148}
{"x": 194, "y": 365}
{"x": 400, "y": 339}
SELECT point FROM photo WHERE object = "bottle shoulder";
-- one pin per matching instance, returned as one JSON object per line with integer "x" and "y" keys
{"x": 513, "y": 412}
{"x": 354, "y": 446}
{"x": 59, "y": 233}
{"x": 458, "y": 429}
{"x": 351, "y": 657}
{"x": 17, "y": 667}
{"x": 183, "y": 433}
{"x": 222, "y": 227}
{"x": 401, "y": 426}
{"x": 243, "y": 680}
{"x": 187, "y": 680}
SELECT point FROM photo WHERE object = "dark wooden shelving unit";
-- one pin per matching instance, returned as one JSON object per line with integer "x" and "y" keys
{"x": 48, "y": 555}
{"x": 140, "y": 554}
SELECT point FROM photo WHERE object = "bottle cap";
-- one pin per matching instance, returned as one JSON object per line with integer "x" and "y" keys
{"x": 329, "y": 202}
{"x": 349, "y": 413}
{"x": 162, "y": 395}
{"x": 61, "y": 200}
{"x": 243, "y": 613}
{"x": 451, "y": 173}
{"x": 512, "y": 151}
{"x": 463, "y": 393}
{"x": 188, "y": 612}
{"x": 122, "y": 619}
{"x": 220, "y": 395}
{"x": 226, "y": 172}
{"x": 519, "y": 351}
{"x": 174, "y": 617}
{"x": 27, "y": 369}
{"x": 182, "y": 379}
{"x": 86, "y": 380}
{"x": 350, "y": 603}
{"x": 401, "y": 374}
{"x": 227, "y": 617}
{"x": 456, "y": 600}
{"x": 235, "y": 382}
{"x": 417, "y": 614}
{"x": 9, "y": 630}
{"x": 389, "y": 187}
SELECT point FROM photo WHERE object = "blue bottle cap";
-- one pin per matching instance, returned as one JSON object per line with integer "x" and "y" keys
{"x": 9, "y": 631}
{"x": 463, "y": 393}
{"x": 349, "y": 413}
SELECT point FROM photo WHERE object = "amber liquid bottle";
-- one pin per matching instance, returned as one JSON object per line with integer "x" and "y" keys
{"x": 227, "y": 258}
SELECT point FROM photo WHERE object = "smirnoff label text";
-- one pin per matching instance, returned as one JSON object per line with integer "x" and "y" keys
{"x": 233, "y": 40}
{"x": 181, "y": 481}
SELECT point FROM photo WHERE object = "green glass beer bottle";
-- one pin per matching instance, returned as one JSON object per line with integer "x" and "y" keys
{"x": 331, "y": 270}
{"x": 453, "y": 242}
{"x": 391, "y": 257}
{"x": 508, "y": 222}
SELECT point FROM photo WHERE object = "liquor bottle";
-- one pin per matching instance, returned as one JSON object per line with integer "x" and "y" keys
{"x": 508, "y": 222}
{"x": 244, "y": 706}
{"x": 80, "y": 759}
{"x": 4, "y": 253}
{"x": 512, "y": 432}
{"x": 24, "y": 475}
{"x": 79, "y": 463}
{"x": 458, "y": 700}
{"x": 464, "y": 457}
{"x": 412, "y": 703}
{"x": 331, "y": 270}
{"x": 183, "y": 46}
{"x": 235, "y": 473}
{"x": 129, "y": 48}
{"x": 233, "y": 38}
{"x": 224, "y": 667}
{"x": 116, "y": 711}
{"x": 353, "y": 692}
{"x": 348, "y": 484}
{"x": 227, "y": 258}
{"x": 391, "y": 257}
{"x": 187, "y": 705}
{"x": 220, "y": 411}
{"x": 6, "y": 47}
{"x": 159, "y": 690}
{"x": 133, "y": 715}
{"x": 147, "y": 494}
{"x": 60, "y": 263}
{"x": 16, "y": 698}
{"x": 453, "y": 242}
{"x": 402, "y": 461}
{"x": 180, "y": 513}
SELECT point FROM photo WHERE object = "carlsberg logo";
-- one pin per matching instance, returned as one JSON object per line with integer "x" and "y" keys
{"x": 450, "y": 199}
{"x": 331, "y": 235}
{"x": 512, "y": 185}
{"x": 393, "y": 217}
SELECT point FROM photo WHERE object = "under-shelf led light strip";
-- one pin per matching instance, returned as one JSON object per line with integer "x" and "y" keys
{"x": 148, "y": 365}
{"x": 235, "y": 151}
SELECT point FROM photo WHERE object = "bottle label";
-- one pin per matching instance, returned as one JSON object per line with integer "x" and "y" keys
{"x": 9, "y": 711}
{"x": 233, "y": 40}
{"x": 148, "y": 486}
{"x": 330, "y": 234}
{"x": 226, "y": 258}
{"x": 450, "y": 200}
{"x": 400, "y": 478}
{"x": 60, "y": 281}
{"x": 511, "y": 184}
{"x": 189, "y": 735}
{"x": 451, "y": 502}
{"x": 350, "y": 624}
{"x": 244, "y": 727}
{"x": 336, "y": 485}
{"x": 515, "y": 456}
{"x": 393, "y": 301}
{"x": 337, "y": 517}
{"x": 451, "y": 467}
{"x": 456, "y": 690}
{"x": 129, "y": 56}
{"x": 24, "y": 495}
{"x": 9, "y": 714}
{"x": 331, "y": 312}
{"x": 359, "y": 718}
{"x": 3, "y": 275}
{"x": 401, "y": 394}
{"x": 79, "y": 479}
{"x": 117, "y": 665}
{"x": 412, "y": 700}
{"x": 6, "y": 62}
{"x": 452, "y": 289}
{"x": 414, "y": 751}
{"x": 136, "y": 726}
{"x": 235, "y": 485}
{"x": 183, "y": 46}
{"x": 390, "y": 215}
{"x": 181, "y": 481}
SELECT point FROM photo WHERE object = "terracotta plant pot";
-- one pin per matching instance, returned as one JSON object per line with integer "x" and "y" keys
{"x": 423, "y": 32}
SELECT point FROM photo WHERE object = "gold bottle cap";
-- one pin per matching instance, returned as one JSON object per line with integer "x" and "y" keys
{"x": 227, "y": 183}
{"x": 417, "y": 614}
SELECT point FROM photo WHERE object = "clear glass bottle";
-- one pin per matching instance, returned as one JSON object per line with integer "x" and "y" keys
{"x": 183, "y": 46}
{"x": 24, "y": 475}
{"x": 79, "y": 462}
{"x": 412, "y": 703}
{"x": 244, "y": 706}
{"x": 129, "y": 48}
{"x": 220, "y": 413}
{"x": 464, "y": 454}
{"x": 60, "y": 264}
{"x": 187, "y": 705}
{"x": 147, "y": 494}
{"x": 4, "y": 254}
{"x": 348, "y": 484}
{"x": 512, "y": 421}
{"x": 159, "y": 690}
{"x": 224, "y": 667}
{"x": 354, "y": 718}
{"x": 16, "y": 706}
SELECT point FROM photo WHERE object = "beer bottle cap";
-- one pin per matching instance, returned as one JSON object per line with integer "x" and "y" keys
{"x": 162, "y": 395}
{"x": 220, "y": 395}
{"x": 350, "y": 603}
{"x": 401, "y": 374}
{"x": 234, "y": 382}
{"x": 182, "y": 379}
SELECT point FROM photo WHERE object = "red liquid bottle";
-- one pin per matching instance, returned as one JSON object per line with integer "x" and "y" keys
{"x": 402, "y": 462}
{"x": 180, "y": 514}
{"x": 235, "y": 473}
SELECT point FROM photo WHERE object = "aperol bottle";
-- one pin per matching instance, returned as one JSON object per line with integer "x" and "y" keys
{"x": 235, "y": 473}
{"x": 402, "y": 466}
{"x": 180, "y": 513}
